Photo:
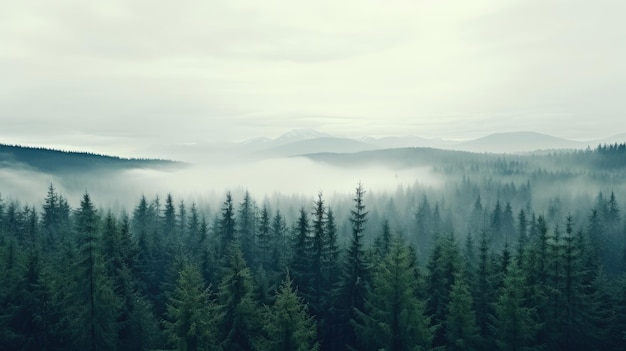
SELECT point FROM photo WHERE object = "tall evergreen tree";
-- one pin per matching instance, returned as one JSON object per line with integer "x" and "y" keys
{"x": 300, "y": 250}
{"x": 190, "y": 320}
{"x": 356, "y": 270}
{"x": 484, "y": 291}
{"x": 393, "y": 318}
{"x": 288, "y": 326}
{"x": 195, "y": 241}
{"x": 382, "y": 242}
{"x": 227, "y": 226}
{"x": 497, "y": 224}
{"x": 514, "y": 325}
{"x": 264, "y": 239}
{"x": 330, "y": 320}
{"x": 522, "y": 234}
{"x": 239, "y": 317}
{"x": 247, "y": 223}
{"x": 182, "y": 222}
{"x": 280, "y": 245}
{"x": 424, "y": 231}
{"x": 461, "y": 330}
{"x": 318, "y": 243}
{"x": 95, "y": 304}
{"x": 169, "y": 220}
{"x": 443, "y": 264}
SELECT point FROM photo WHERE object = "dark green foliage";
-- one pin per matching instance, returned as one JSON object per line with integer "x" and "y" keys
{"x": 300, "y": 260}
{"x": 55, "y": 217}
{"x": 264, "y": 239}
{"x": 484, "y": 290}
{"x": 238, "y": 315}
{"x": 424, "y": 231}
{"x": 317, "y": 245}
{"x": 356, "y": 272}
{"x": 63, "y": 162}
{"x": 514, "y": 325}
{"x": 461, "y": 330}
{"x": 93, "y": 305}
{"x": 227, "y": 226}
{"x": 87, "y": 279}
{"x": 246, "y": 229}
{"x": 191, "y": 315}
{"x": 383, "y": 241}
{"x": 393, "y": 317}
{"x": 288, "y": 326}
{"x": 330, "y": 318}
{"x": 281, "y": 245}
{"x": 444, "y": 263}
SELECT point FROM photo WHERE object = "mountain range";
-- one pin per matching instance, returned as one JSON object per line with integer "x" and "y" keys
{"x": 294, "y": 143}
{"x": 307, "y": 141}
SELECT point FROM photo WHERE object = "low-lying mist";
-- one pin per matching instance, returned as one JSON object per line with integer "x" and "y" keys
{"x": 206, "y": 183}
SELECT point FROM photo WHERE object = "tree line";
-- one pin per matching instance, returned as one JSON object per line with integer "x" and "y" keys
{"x": 167, "y": 276}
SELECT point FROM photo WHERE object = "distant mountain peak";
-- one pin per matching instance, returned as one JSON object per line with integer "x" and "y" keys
{"x": 300, "y": 134}
{"x": 524, "y": 141}
{"x": 257, "y": 140}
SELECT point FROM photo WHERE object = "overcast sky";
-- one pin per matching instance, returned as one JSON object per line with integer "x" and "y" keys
{"x": 112, "y": 75}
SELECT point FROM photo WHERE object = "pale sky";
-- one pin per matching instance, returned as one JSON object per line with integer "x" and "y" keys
{"x": 112, "y": 75}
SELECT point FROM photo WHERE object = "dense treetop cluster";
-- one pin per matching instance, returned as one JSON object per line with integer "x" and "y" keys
{"x": 168, "y": 277}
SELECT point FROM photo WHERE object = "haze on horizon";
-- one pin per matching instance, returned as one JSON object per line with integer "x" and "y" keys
{"x": 122, "y": 77}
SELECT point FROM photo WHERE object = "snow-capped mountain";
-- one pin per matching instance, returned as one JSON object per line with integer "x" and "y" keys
{"x": 299, "y": 135}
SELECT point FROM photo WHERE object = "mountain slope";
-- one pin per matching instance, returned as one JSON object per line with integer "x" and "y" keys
{"x": 517, "y": 142}
{"x": 57, "y": 161}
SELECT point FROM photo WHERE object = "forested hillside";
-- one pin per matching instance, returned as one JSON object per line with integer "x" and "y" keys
{"x": 485, "y": 262}
{"x": 57, "y": 161}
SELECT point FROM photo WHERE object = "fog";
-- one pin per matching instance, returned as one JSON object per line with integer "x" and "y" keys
{"x": 206, "y": 183}
{"x": 287, "y": 183}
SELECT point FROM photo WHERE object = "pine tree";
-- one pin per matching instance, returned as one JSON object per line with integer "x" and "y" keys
{"x": 477, "y": 217}
{"x": 300, "y": 250}
{"x": 264, "y": 239}
{"x": 318, "y": 243}
{"x": 331, "y": 274}
{"x": 554, "y": 288}
{"x": 287, "y": 325}
{"x": 514, "y": 325}
{"x": 424, "y": 231}
{"x": 239, "y": 319}
{"x": 29, "y": 323}
{"x": 462, "y": 333}
{"x": 496, "y": 228}
{"x": 227, "y": 226}
{"x": 522, "y": 234}
{"x": 51, "y": 216}
{"x": 573, "y": 313}
{"x": 469, "y": 256}
{"x": 393, "y": 318}
{"x": 169, "y": 217}
{"x": 443, "y": 264}
{"x": 190, "y": 320}
{"x": 484, "y": 291}
{"x": 280, "y": 246}
{"x": 195, "y": 242}
{"x": 182, "y": 223}
{"x": 246, "y": 229}
{"x": 382, "y": 243}
{"x": 508, "y": 224}
{"x": 95, "y": 303}
{"x": 356, "y": 270}
{"x": 537, "y": 275}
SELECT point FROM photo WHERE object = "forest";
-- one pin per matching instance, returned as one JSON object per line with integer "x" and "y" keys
{"x": 517, "y": 253}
